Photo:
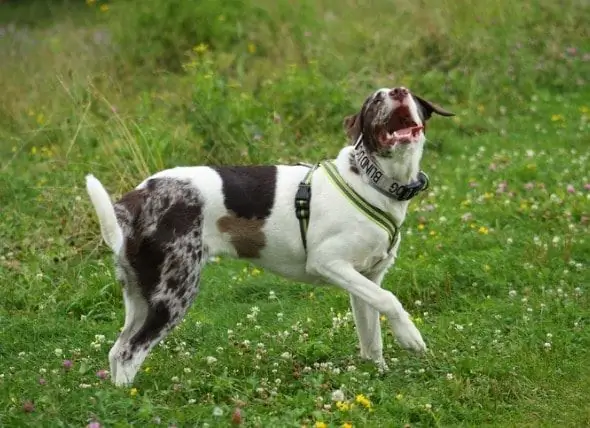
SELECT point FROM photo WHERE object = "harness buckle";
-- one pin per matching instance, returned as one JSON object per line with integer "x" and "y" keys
{"x": 302, "y": 198}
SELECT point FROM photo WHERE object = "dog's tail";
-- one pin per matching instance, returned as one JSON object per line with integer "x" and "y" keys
{"x": 109, "y": 227}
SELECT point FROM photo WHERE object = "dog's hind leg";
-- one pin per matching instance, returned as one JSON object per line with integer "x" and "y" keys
{"x": 136, "y": 310}
{"x": 160, "y": 264}
{"x": 148, "y": 322}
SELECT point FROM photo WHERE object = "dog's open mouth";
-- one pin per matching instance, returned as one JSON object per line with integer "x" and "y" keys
{"x": 400, "y": 129}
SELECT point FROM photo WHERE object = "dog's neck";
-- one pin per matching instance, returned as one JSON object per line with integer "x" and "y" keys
{"x": 391, "y": 175}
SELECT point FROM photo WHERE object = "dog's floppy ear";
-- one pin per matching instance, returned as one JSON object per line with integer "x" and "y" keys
{"x": 428, "y": 108}
{"x": 352, "y": 126}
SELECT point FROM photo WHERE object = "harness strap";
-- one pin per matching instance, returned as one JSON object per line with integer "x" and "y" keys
{"x": 378, "y": 216}
{"x": 302, "y": 203}
{"x": 303, "y": 199}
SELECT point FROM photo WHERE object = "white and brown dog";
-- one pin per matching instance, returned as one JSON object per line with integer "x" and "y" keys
{"x": 163, "y": 232}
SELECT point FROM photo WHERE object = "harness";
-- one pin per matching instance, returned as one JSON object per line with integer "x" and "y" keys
{"x": 303, "y": 198}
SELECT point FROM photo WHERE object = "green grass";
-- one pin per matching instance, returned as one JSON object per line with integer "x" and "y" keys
{"x": 494, "y": 259}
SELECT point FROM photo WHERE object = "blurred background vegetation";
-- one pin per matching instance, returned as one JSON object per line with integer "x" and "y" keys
{"x": 253, "y": 81}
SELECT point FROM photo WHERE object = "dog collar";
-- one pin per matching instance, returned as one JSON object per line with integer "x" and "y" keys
{"x": 376, "y": 178}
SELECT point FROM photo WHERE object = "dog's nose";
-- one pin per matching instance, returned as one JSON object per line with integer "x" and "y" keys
{"x": 399, "y": 94}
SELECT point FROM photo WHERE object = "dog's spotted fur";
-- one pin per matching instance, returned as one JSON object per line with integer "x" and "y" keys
{"x": 163, "y": 231}
{"x": 160, "y": 265}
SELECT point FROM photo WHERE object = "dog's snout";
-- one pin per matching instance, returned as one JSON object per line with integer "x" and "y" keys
{"x": 399, "y": 94}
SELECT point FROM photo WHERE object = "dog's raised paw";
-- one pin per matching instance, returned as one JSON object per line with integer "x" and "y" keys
{"x": 409, "y": 336}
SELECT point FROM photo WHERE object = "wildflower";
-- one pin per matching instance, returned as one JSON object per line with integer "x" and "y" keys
{"x": 255, "y": 272}
{"x": 556, "y": 117}
{"x": 192, "y": 401}
{"x": 42, "y": 381}
{"x": 211, "y": 360}
{"x": 320, "y": 424}
{"x": 217, "y": 411}
{"x": 547, "y": 345}
{"x": 364, "y": 401}
{"x": 251, "y": 48}
{"x": 466, "y": 217}
{"x": 58, "y": 352}
{"x": 570, "y": 188}
{"x": 399, "y": 397}
{"x": 93, "y": 424}
{"x": 512, "y": 293}
{"x": 201, "y": 48}
{"x": 483, "y": 230}
{"x": 133, "y": 392}
{"x": 90, "y": 2}
{"x": 187, "y": 370}
{"x": 286, "y": 355}
{"x": 104, "y": 7}
{"x": 67, "y": 364}
{"x": 343, "y": 406}
{"x": 346, "y": 425}
{"x": 420, "y": 226}
{"x": 102, "y": 374}
{"x": 337, "y": 395}
{"x": 236, "y": 416}
{"x": 28, "y": 406}
{"x": 450, "y": 376}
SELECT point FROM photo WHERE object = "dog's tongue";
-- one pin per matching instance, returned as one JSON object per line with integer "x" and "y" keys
{"x": 407, "y": 134}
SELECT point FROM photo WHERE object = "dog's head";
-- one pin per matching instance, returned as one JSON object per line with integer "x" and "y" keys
{"x": 391, "y": 120}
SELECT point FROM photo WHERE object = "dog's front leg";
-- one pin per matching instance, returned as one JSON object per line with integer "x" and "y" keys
{"x": 368, "y": 327}
{"x": 342, "y": 273}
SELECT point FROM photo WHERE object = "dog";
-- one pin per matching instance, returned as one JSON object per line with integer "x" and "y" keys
{"x": 163, "y": 232}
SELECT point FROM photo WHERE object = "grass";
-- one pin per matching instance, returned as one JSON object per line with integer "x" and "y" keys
{"x": 494, "y": 259}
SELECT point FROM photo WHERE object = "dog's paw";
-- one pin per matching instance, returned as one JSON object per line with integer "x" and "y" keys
{"x": 408, "y": 336}
{"x": 382, "y": 366}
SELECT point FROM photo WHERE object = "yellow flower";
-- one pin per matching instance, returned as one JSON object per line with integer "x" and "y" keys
{"x": 90, "y": 2}
{"x": 346, "y": 425}
{"x": 488, "y": 195}
{"x": 382, "y": 317}
{"x": 483, "y": 230}
{"x": 251, "y": 48}
{"x": 104, "y": 7}
{"x": 557, "y": 118}
{"x": 399, "y": 396}
{"x": 40, "y": 118}
{"x": 255, "y": 272}
{"x": 201, "y": 48}
{"x": 133, "y": 392}
{"x": 320, "y": 424}
{"x": 432, "y": 233}
{"x": 364, "y": 401}
{"x": 420, "y": 226}
{"x": 33, "y": 150}
{"x": 147, "y": 369}
{"x": 343, "y": 406}
{"x": 486, "y": 268}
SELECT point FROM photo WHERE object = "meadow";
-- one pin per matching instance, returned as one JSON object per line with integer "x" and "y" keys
{"x": 494, "y": 261}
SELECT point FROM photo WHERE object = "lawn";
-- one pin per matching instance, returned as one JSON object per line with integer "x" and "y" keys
{"x": 494, "y": 261}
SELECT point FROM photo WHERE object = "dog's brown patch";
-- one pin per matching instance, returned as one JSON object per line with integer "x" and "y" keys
{"x": 246, "y": 235}
{"x": 133, "y": 201}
